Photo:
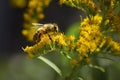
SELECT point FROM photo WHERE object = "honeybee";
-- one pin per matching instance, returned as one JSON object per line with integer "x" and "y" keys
{"x": 43, "y": 29}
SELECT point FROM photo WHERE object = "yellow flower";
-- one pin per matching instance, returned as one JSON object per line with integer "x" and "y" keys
{"x": 29, "y": 33}
{"x": 41, "y": 16}
{"x": 62, "y": 1}
{"x": 115, "y": 46}
{"x": 38, "y": 47}
{"x": 39, "y": 9}
{"x": 46, "y": 2}
{"x": 19, "y": 3}
{"x": 26, "y": 17}
{"x": 59, "y": 38}
{"x": 94, "y": 20}
{"x": 82, "y": 49}
{"x": 112, "y": 3}
{"x": 91, "y": 4}
{"x": 90, "y": 36}
{"x": 45, "y": 39}
{"x": 71, "y": 38}
{"x": 102, "y": 43}
{"x": 74, "y": 62}
{"x": 32, "y": 3}
{"x": 88, "y": 60}
{"x": 116, "y": 22}
{"x": 80, "y": 58}
{"x": 78, "y": 3}
{"x": 93, "y": 46}
{"x": 47, "y": 42}
{"x": 107, "y": 21}
{"x": 29, "y": 51}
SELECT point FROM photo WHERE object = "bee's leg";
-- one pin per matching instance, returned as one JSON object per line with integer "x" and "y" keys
{"x": 50, "y": 37}
{"x": 39, "y": 37}
{"x": 51, "y": 46}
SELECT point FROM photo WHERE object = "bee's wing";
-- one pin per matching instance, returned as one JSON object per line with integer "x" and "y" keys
{"x": 37, "y": 24}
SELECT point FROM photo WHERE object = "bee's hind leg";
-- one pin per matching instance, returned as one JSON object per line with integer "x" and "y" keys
{"x": 50, "y": 37}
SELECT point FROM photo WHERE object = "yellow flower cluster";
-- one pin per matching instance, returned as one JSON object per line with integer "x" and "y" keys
{"x": 59, "y": 38}
{"x": 112, "y": 3}
{"x": 115, "y": 19}
{"x": 37, "y": 48}
{"x": 70, "y": 43}
{"x": 62, "y": 1}
{"x": 81, "y": 4}
{"x": 48, "y": 42}
{"x": 114, "y": 46}
{"x": 93, "y": 20}
{"x": 33, "y": 14}
{"x": 91, "y": 38}
{"x": 18, "y": 3}
{"x": 90, "y": 3}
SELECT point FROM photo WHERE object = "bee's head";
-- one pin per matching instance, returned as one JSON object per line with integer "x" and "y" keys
{"x": 55, "y": 27}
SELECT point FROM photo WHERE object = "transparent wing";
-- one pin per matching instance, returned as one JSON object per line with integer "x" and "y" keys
{"x": 37, "y": 24}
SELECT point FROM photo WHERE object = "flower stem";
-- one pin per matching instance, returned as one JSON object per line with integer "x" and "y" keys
{"x": 73, "y": 72}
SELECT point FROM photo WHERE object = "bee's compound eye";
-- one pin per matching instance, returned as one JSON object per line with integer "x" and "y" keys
{"x": 55, "y": 27}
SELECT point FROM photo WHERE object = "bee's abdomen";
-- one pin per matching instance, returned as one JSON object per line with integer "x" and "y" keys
{"x": 37, "y": 36}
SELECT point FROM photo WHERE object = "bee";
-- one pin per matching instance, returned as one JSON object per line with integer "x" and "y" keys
{"x": 44, "y": 29}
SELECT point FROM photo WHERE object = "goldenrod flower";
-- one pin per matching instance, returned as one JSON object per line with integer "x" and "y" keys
{"x": 29, "y": 51}
{"x": 62, "y": 1}
{"x": 38, "y": 48}
{"x": 41, "y": 16}
{"x": 102, "y": 43}
{"x": 74, "y": 62}
{"x": 94, "y": 20}
{"x": 71, "y": 38}
{"x": 19, "y": 3}
{"x": 80, "y": 58}
{"x": 27, "y": 17}
{"x": 29, "y": 33}
{"x": 115, "y": 46}
{"x": 91, "y": 4}
{"x": 59, "y": 38}
{"x": 83, "y": 50}
{"x": 116, "y": 22}
{"x": 88, "y": 59}
{"x": 49, "y": 41}
{"x": 32, "y": 3}
{"x": 90, "y": 36}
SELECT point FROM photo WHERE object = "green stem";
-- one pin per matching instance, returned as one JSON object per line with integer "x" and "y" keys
{"x": 70, "y": 77}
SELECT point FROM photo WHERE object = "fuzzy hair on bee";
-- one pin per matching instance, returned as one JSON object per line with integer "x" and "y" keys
{"x": 43, "y": 29}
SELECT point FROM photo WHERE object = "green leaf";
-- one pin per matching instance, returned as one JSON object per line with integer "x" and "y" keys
{"x": 51, "y": 64}
{"x": 97, "y": 67}
{"x": 73, "y": 29}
